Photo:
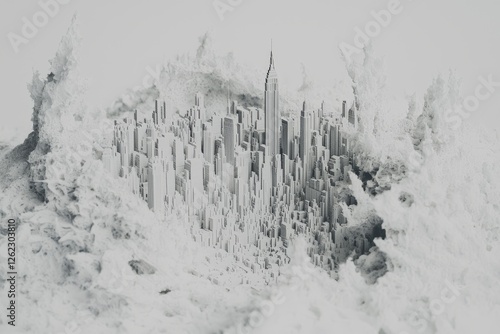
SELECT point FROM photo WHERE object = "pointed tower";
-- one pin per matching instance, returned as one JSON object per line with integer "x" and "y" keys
{"x": 271, "y": 110}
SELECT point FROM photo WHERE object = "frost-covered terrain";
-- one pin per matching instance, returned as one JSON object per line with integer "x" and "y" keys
{"x": 92, "y": 258}
{"x": 220, "y": 78}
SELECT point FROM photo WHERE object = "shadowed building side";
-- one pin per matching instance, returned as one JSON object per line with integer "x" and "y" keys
{"x": 272, "y": 111}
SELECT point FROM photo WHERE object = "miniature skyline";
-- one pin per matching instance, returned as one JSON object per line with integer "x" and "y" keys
{"x": 251, "y": 177}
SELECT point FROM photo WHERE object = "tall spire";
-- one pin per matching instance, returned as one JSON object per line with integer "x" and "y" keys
{"x": 272, "y": 111}
{"x": 272, "y": 59}
{"x": 271, "y": 73}
{"x": 228, "y": 103}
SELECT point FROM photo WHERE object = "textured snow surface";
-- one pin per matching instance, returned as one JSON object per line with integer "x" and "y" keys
{"x": 220, "y": 78}
{"x": 94, "y": 259}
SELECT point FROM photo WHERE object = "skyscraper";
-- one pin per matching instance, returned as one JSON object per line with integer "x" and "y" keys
{"x": 305, "y": 132}
{"x": 230, "y": 137}
{"x": 305, "y": 140}
{"x": 156, "y": 185}
{"x": 272, "y": 111}
{"x": 287, "y": 136}
{"x": 229, "y": 168}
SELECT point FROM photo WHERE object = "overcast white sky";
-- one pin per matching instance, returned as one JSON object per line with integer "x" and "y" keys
{"x": 123, "y": 37}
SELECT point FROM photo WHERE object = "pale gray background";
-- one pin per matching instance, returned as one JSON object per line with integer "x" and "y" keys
{"x": 123, "y": 37}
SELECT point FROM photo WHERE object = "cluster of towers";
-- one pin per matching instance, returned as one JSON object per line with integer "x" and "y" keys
{"x": 250, "y": 178}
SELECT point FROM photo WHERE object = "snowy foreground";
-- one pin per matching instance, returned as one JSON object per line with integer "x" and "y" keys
{"x": 92, "y": 258}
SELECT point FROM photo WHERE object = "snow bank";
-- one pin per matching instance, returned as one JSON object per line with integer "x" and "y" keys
{"x": 436, "y": 192}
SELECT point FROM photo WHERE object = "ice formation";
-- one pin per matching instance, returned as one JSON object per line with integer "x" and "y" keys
{"x": 94, "y": 259}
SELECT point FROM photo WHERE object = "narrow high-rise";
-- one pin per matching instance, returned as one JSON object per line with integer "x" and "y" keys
{"x": 305, "y": 141}
{"x": 272, "y": 111}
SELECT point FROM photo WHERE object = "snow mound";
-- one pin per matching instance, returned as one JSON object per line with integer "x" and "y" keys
{"x": 221, "y": 79}
{"x": 94, "y": 259}
{"x": 83, "y": 239}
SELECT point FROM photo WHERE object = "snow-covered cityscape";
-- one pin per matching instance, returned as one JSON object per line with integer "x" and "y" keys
{"x": 165, "y": 169}
{"x": 252, "y": 178}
